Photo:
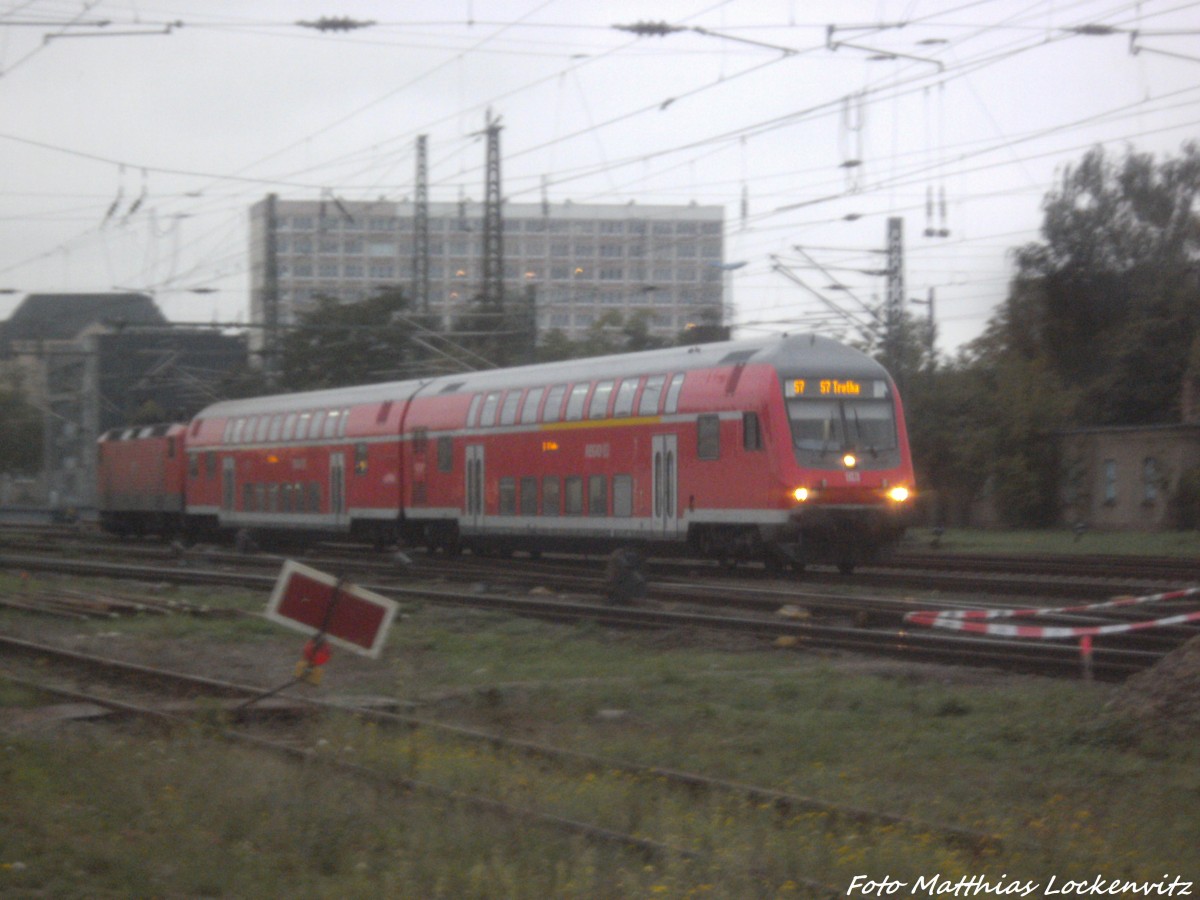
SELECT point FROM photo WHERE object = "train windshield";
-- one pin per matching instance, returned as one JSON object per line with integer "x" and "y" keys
{"x": 830, "y": 425}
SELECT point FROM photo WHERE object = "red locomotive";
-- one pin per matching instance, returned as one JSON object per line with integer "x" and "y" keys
{"x": 788, "y": 449}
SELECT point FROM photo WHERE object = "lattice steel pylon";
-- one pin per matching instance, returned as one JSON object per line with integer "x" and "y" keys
{"x": 493, "y": 229}
{"x": 420, "y": 287}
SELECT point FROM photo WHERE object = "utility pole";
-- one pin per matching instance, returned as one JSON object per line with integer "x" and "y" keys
{"x": 270, "y": 299}
{"x": 421, "y": 229}
{"x": 894, "y": 308}
{"x": 493, "y": 235}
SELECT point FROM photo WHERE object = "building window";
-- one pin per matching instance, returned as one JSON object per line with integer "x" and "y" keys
{"x": 1150, "y": 479}
{"x": 1110, "y": 482}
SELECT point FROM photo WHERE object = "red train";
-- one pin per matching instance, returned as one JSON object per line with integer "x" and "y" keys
{"x": 789, "y": 449}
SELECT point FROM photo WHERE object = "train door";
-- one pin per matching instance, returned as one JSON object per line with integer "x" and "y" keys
{"x": 337, "y": 487}
{"x": 228, "y": 484}
{"x": 474, "y": 475}
{"x": 665, "y": 484}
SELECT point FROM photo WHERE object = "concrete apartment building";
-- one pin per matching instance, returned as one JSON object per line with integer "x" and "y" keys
{"x": 581, "y": 260}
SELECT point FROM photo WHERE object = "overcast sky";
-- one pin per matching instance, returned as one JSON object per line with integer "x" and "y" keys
{"x": 130, "y": 151}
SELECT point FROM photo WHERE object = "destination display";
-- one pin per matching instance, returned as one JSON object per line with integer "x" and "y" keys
{"x": 836, "y": 387}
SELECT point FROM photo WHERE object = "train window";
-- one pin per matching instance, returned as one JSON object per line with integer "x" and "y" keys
{"x": 623, "y": 405}
{"x": 276, "y": 428}
{"x": 343, "y": 421}
{"x": 170, "y": 448}
{"x": 196, "y": 427}
{"x": 554, "y": 401}
{"x": 236, "y": 432}
{"x": 672, "y": 404}
{"x": 260, "y": 497}
{"x": 261, "y": 429}
{"x": 272, "y": 498}
{"x": 331, "y": 423}
{"x": 473, "y": 411}
{"x": 573, "y": 496}
{"x": 551, "y": 503}
{"x": 529, "y": 411}
{"x": 360, "y": 459}
{"x": 508, "y": 412}
{"x": 651, "y": 393}
{"x": 445, "y": 451}
{"x": 289, "y": 427}
{"x": 312, "y": 496}
{"x": 529, "y": 496}
{"x": 193, "y": 465}
{"x": 488, "y": 416}
{"x": 316, "y": 424}
{"x": 210, "y": 464}
{"x": 751, "y": 432}
{"x": 623, "y": 495}
{"x": 575, "y": 401}
{"x": 598, "y": 408}
{"x": 248, "y": 497}
{"x": 385, "y": 410}
{"x": 285, "y": 499}
{"x": 302, "y": 426}
{"x": 708, "y": 437}
{"x": 226, "y": 436}
{"x": 508, "y": 496}
{"x": 597, "y": 495}
{"x": 420, "y": 439}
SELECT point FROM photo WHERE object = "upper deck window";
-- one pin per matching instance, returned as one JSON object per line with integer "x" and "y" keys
{"x": 651, "y": 394}
{"x": 508, "y": 412}
{"x": 623, "y": 405}
{"x": 554, "y": 401}
{"x": 488, "y": 416}
{"x": 598, "y": 408}
{"x": 576, "y": 400}
{"x": 672, "y": 404}
{"x": 529, "y": 411}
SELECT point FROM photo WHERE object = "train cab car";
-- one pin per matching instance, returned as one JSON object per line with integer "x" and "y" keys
{"x": 784, "y": 449}
{"x": 140, "y": 480}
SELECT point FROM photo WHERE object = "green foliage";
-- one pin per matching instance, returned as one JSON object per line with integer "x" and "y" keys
{"x": 337, "y": 344}
{"x": 1100, "y": 327}
{"x": 20, "y": 433}
{"x": 1107, "y": 297}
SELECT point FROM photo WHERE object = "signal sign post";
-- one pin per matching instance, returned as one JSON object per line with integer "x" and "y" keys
{"x": 342, "y": 613}
{"x": 330, "y": 610}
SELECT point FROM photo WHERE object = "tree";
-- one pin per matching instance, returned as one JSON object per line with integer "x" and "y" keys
{"x": 337, "y": 344}
{"x": 1107, "y": 297}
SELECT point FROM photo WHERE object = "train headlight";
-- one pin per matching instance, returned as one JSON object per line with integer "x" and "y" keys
{"x": 801, "y": 494}
{"x": 849, "y": 460}
{"x": 899, "y": 493}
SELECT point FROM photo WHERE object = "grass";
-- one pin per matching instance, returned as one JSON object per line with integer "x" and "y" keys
{"x": 106, "y": 812}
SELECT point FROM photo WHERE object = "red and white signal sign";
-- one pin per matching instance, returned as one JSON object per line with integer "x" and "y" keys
{"x": 347, "y": 615}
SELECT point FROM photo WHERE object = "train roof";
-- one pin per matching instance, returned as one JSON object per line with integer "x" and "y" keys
{"x": 810, "y": 351}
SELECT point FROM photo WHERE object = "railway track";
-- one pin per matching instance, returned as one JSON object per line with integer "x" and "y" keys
{"x": 1110, "y": 662}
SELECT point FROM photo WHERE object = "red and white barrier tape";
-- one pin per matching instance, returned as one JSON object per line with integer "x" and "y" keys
{"x": 973, "y": 620}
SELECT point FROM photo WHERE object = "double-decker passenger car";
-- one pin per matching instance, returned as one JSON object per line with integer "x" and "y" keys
{"x": 790, "y": 449}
